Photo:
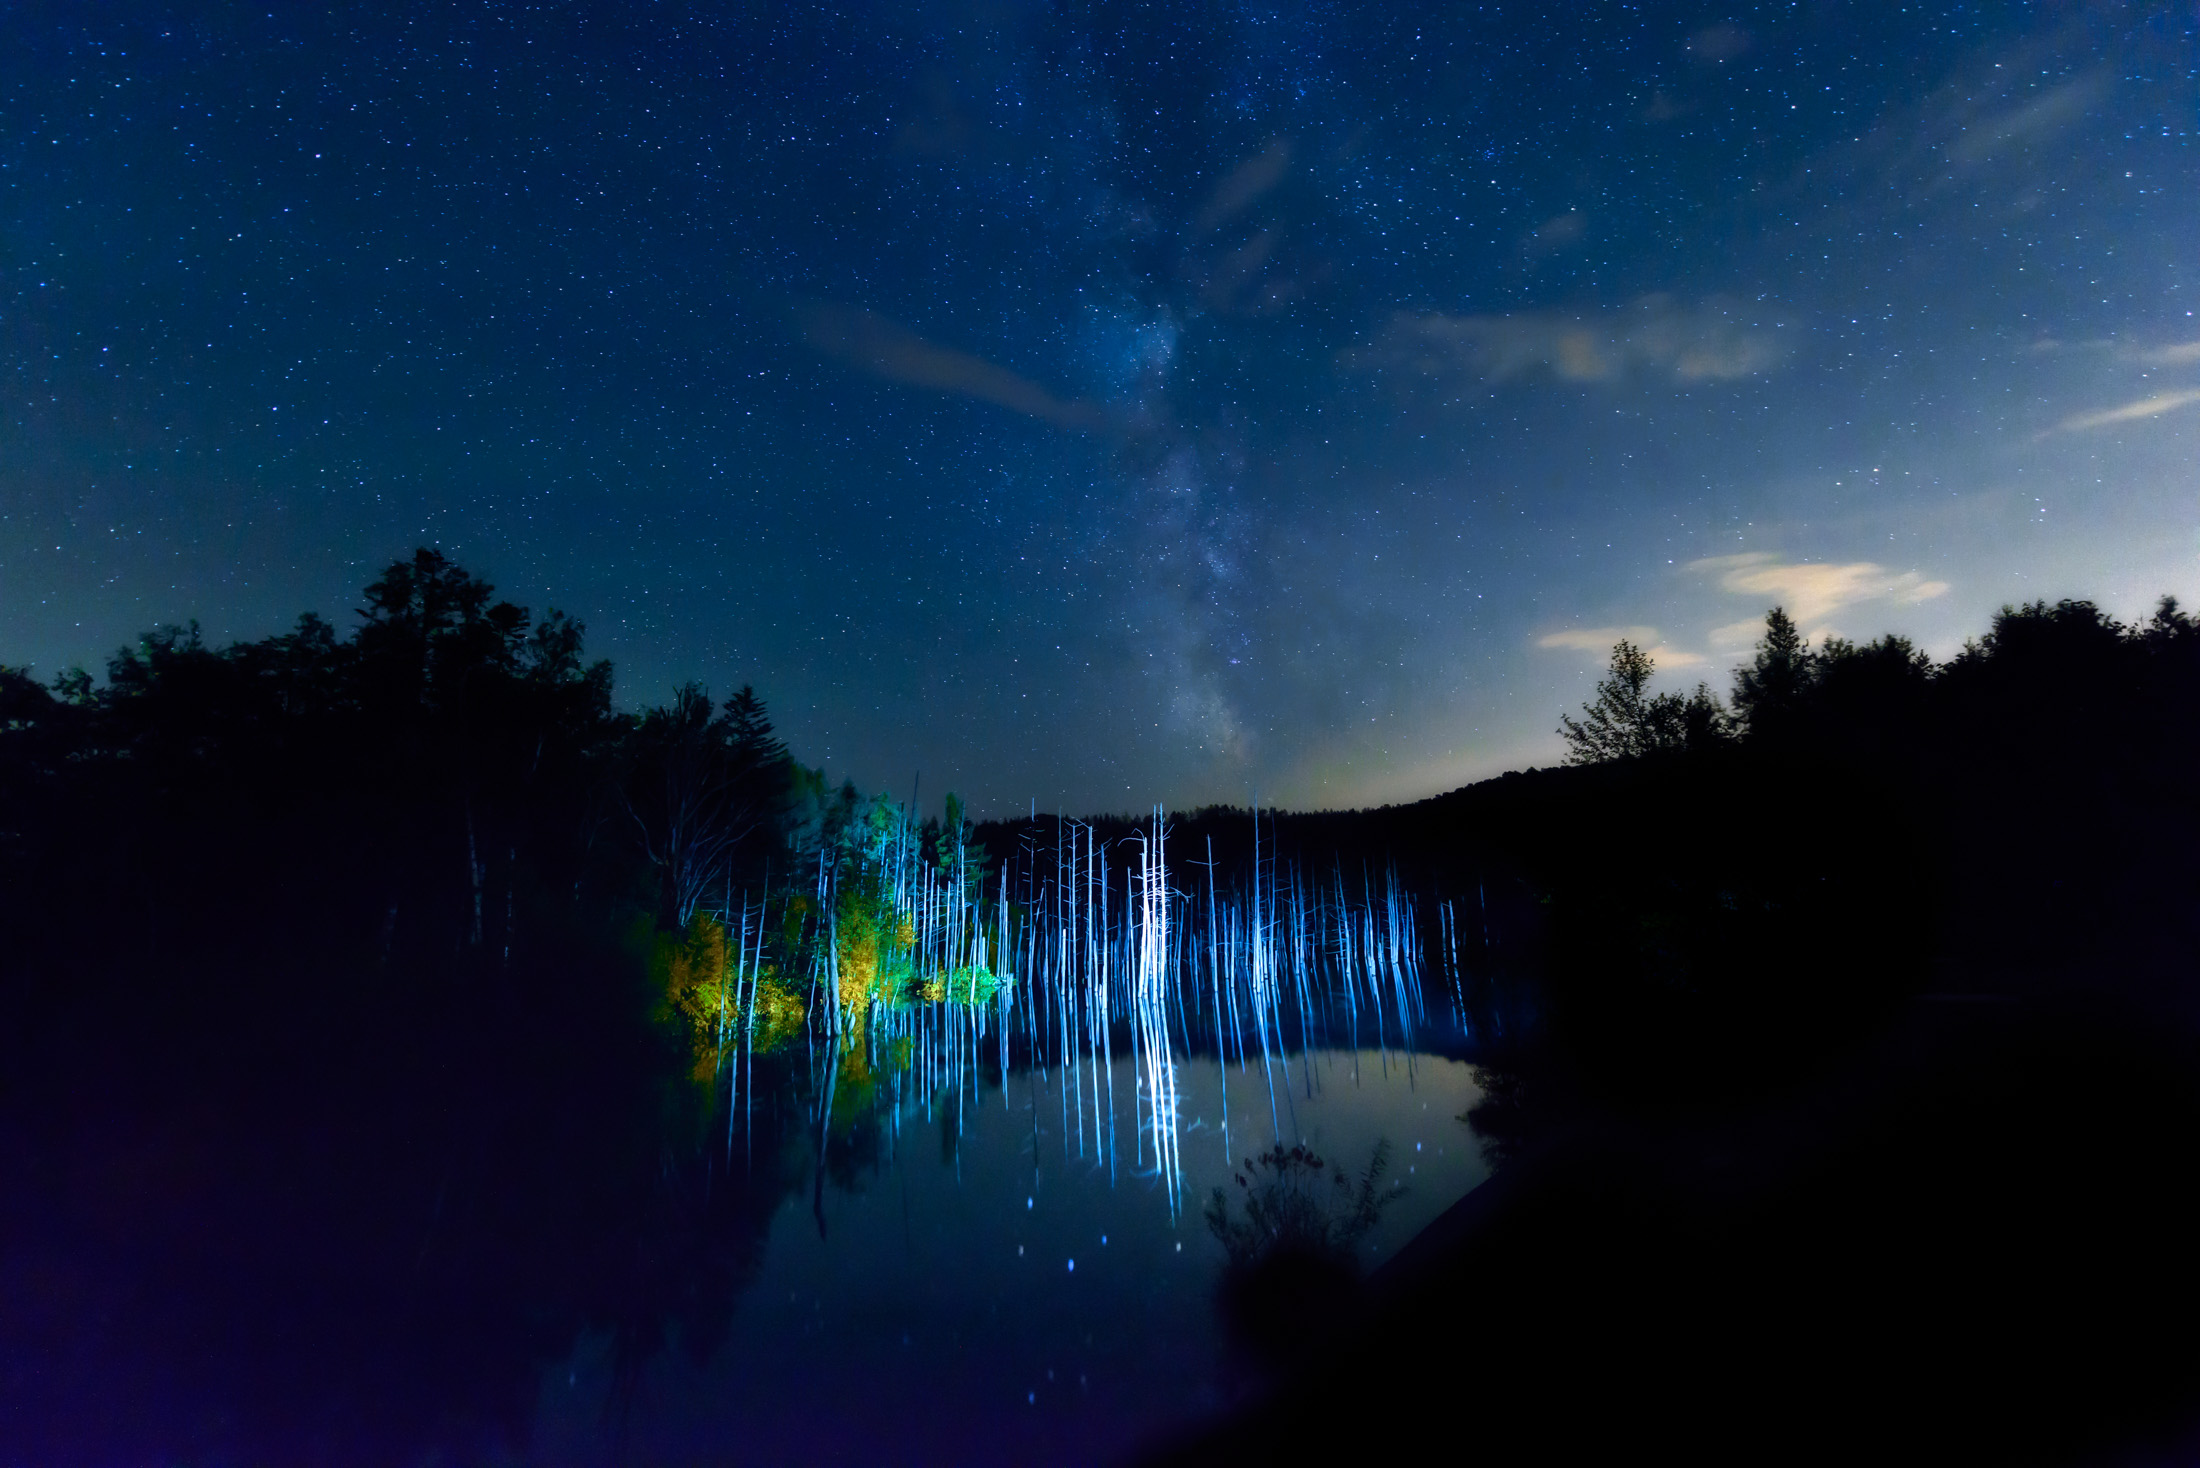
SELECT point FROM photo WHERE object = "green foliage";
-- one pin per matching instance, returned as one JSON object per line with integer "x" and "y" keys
{"x": 872, "y": 945}
{"x": 974, "y": 985}
{"x": 781, "y": 1015}
{"x": 698, "y": 980}
{"x": 703, "y": 995}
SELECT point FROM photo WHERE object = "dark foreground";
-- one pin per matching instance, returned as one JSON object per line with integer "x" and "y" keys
{"x": 1970, "y": 1240}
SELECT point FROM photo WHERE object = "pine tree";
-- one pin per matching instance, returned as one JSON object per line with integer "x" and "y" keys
{"x": 1769, "y": 691}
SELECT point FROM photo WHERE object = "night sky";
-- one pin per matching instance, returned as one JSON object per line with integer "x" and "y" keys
{"x": 1108, "y": 403}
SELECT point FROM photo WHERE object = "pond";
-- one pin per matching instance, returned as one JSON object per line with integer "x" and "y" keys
{"x": 1009, "y": 1280}
{"x": 918, "y": 1168}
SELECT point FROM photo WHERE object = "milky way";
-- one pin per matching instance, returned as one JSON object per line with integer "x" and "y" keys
{"x": 1092, "y": 405}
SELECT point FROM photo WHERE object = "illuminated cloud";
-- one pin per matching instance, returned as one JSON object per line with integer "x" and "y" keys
{"x": 1738, "y": 634}
{"x": 1809, "y": 590}
{"x": 887, "y": 349}
{"x": 2177, "y": 354}
{"x": 1712, "y": 341}
{"x": 2152, "y": 407}
{"x": 1600, "y": 640}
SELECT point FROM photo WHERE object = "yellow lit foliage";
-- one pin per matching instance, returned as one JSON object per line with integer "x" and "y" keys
{"x": 780, "y": 1014}
{"x": 858, "y": 974}
{"x": 702, "y": 984}
{"x": 871, "y": 946}
{"x": 698, "y": 975}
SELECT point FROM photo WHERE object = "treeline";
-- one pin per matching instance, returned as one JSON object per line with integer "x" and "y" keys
{"x": 437, "y": 778}
{"x": 335, "y": 989}
{"x": 2059, "y": 681}
{"x": 1740, "y": 879}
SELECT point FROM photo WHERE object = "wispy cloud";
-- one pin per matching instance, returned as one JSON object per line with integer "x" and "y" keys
{"x": 1980, "y": 134}
{"x": 1809, "y": 590}
{"x": 1242, "y": 185}
{"x": 1988, "y": 122}
{"x": 2149, "y": 407}
{"x": 885, "y": 348}
{"x": 2176, "y": 354}
{"x": 1718, "y": 43}
{"x": 1598, "y": 639}
{"x": 1601, "y": 639}
{"x": 1713, "y": 340}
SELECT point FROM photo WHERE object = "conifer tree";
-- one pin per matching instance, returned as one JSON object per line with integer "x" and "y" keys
{"x": 1769, "y": 691}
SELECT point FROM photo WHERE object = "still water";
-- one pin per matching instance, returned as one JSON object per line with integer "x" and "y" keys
{"x": 1007, "y": 1280}
{"x": 937, "y": 1193}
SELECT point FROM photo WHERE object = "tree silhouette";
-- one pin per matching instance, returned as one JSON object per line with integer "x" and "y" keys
{"x": 1769, "y": 690}
{"x": 1625, "y": 721}
{"x": 699, "y": 784}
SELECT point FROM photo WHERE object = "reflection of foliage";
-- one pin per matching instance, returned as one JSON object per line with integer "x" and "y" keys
{"x": 970, "y": 985}
{"x": 1289, "y": 1212}
{"x": 1525, "y": 1098}
{"x": 855, "y": 1084}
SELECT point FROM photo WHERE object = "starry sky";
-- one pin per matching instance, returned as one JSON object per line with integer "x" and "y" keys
{"x": 1095, "y": 404}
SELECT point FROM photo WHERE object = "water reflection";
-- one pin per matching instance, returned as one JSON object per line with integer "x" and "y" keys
{"x": 909, "y": 1165}
{"x": 985, "y": 1276}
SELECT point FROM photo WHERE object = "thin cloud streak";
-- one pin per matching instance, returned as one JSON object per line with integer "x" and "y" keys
{"x": 1598, "y": 639}
{"x": 2176, "y": 354}
{"x": 1601, "y": 639}
{"x": 1244, "y": 183}
{"x": 2152, "y": 407}
{"x": 1715, "y": 340}
{"x": 885, "y": 348}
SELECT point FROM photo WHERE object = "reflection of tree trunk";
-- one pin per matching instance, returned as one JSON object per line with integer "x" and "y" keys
{"x": 825, "y": 1131}
{"x": 511, "y": 869}
{"x": 473, "y": 870}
